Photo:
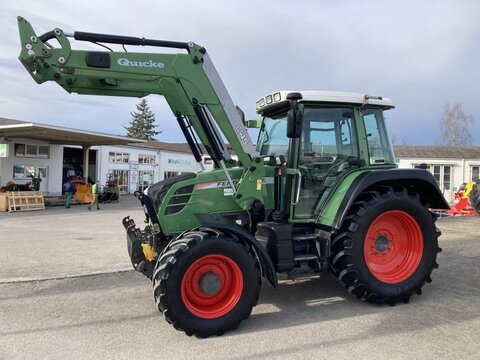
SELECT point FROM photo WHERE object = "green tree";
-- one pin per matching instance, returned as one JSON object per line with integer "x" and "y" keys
{"x": 142, "y": 125}
{"x": 456, "y": 126}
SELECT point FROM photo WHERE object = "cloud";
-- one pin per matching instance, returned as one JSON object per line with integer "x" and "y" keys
{"x": 420, "y": 54}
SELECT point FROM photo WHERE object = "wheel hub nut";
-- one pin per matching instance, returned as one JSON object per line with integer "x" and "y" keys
{"x": 210, "y": 283}
{"x": 381, "y": 243}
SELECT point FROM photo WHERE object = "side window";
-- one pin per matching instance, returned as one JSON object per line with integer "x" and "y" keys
{"x": 379, "y": 148}
{"x": 273, "y": 137}
{"x": 347, "y": 143}
{"x": 346, "y": 132}
{"x": 328, "y": 132}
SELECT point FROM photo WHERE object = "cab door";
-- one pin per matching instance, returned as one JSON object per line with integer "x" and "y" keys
{"x": 326, "y": 148}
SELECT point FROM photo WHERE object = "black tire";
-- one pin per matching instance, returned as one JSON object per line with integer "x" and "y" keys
{"x": 474, "y": 196}
{"x": 173, "y": 275}
{"x": 355, "y": 249}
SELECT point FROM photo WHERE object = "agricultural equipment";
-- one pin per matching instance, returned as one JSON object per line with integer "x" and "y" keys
{"x": 318, "y": 193}
{"x": 467, "y": 200}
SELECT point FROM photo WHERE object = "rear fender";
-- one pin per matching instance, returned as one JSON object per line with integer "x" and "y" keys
{"x": 421, "y": 181}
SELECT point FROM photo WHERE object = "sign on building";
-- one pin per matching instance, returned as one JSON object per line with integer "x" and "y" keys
{"x": 179, "y": 162}
{"x": 133, "y": 173}
{"x": 3, "y": 150}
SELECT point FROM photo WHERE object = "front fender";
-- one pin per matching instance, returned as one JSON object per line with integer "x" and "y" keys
{"x": 223, "y": 224}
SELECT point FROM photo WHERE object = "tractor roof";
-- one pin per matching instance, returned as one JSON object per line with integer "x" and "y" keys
{"x": 279, "y": 98}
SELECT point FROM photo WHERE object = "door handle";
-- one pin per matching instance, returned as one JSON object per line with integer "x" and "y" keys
{"x": 299, "y": 185}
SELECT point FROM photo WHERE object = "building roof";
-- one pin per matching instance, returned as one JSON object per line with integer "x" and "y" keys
{"x": 165, "y": 146}
{"x": 59, "y": 135}
{"x": 175, "y": 147}
{"x": 10, "y": 128}
{"x": 4, "y": 121}
{"x": 437, "y": 152}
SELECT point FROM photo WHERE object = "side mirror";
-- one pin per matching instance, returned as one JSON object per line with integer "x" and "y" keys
{"x": 254, "y": 124}
{"x": 294, "y": 124}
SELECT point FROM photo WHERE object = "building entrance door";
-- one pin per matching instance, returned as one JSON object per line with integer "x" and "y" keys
{"x": 120, "y": 178}
{"x": 42, "y": 172}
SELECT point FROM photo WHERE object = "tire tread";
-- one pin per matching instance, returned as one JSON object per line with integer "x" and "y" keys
{"x": 344, "y": 266}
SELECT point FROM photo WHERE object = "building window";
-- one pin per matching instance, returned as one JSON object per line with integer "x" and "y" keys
{"x": 442, "y": 175}
{"x": 31, "y": 150}
{"x": 115, "y": 157}
{"x": 475, "y": 172}
{"x": 120, "y": 178}
{"x": 447, "y": 172}
{"x": 436, "y": 174}
{"x": 146, "y": 159}
{"x": 19, "y": 149}
{"x": 19, "y": 171}
{"x": 169, "y": 174}
{"x": 43, "y": 151}
{"x": 23, "y": 171}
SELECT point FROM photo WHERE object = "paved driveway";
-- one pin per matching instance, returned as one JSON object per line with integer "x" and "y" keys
{"x": 111, "y": 315}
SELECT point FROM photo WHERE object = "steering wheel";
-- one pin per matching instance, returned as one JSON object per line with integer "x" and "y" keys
{"x": 337, "y": 163}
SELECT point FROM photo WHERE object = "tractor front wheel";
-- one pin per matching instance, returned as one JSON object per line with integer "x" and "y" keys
{"x": 387, "y": 246}
{"x": 206, "y": 283}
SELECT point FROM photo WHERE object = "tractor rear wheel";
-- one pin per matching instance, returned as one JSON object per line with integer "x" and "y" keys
{"x": 474, "y": 197}
{"x": 206, "y": 283}
{"x": 387, "y": 246}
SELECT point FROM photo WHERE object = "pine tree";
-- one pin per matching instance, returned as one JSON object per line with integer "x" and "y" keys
{"x": 142, "y": 125}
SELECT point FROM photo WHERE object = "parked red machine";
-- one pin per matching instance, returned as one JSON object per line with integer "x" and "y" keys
{"x": 467, "y": 200}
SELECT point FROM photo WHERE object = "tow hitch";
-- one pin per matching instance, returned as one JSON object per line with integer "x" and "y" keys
{"x": 144, "y": 245}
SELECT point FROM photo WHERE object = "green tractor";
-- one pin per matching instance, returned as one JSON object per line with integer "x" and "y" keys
{"x": 318, "y": 193}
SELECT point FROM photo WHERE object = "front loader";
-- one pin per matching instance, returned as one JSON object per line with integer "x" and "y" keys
{"x": 318, "y": 193}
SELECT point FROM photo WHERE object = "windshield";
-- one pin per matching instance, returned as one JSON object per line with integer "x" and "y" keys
{"x": 272, "y": 139}
{"x": 327, "y": 132}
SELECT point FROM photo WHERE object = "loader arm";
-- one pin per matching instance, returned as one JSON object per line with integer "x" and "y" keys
{"x": 188, "y": 80}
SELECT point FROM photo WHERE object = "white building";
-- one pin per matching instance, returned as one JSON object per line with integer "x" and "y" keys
{"x": 451, "y": 166}
{"x": 134, "y": 167}
{"x": 56, "y": 153}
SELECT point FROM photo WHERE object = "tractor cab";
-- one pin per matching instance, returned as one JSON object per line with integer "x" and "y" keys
{"x": 338, "y": 133}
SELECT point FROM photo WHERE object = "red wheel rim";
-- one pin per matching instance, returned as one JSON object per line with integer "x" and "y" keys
{"x": 212, "y": 286}
{"x": 393, "y": 246}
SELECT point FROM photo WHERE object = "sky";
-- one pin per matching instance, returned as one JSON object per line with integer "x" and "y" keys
{"x": 421, "y": 54}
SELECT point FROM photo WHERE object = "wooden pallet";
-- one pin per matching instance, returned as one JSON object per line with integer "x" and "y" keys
{"x": 25, "y": 200}
{"x": 3, "y": 202}
{"x": 58, "y": 200}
